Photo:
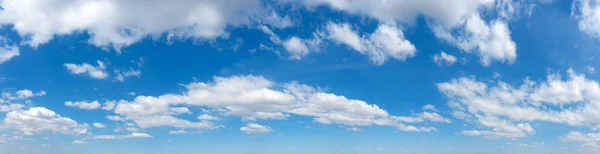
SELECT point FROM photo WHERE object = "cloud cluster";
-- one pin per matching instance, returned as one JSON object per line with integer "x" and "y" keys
{"x": 507, "y": 110}
{"x": 457, "y": 22}
{"x": 255, "y": 97}
{"x": 13, "y": 101}
{"x": 112, "y": 23}
{"x": 39, "y": 119}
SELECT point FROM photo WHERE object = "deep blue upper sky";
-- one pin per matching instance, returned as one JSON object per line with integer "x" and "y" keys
{"x": 309, "y": 76}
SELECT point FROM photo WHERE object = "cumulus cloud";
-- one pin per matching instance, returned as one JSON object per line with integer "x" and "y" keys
{"x": 39, "y": 119}
{"x": 122, "y": 74}
{"x": 84, "y": 105}
{"x": 97, "y": 72}
{"x": 385, "y": 43}
{"x": 507, "y": 110}
{"x": 207, "y": 117}
{"x": 587, "y": 12}
{"x": 129, "y": 136}
{"x": 588, "y": 140}
{"x": 252, "y": 128}
{"x": 444, "y": 59}
{"x": 296, "y": 47}
{"x": 255, "y": 97}
{"x": 112, "y": 23}
{"x": 20, "y": 95}
{"x": 8, "y": 52}
{"x": 491, "y": 41}
{"x": 99, "y": 125}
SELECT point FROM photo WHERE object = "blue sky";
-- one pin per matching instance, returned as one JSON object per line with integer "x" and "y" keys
{"x": 307, "y": 76}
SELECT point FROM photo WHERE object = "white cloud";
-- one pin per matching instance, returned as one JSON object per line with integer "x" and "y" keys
{"x": 97, "y": 72}
{"x": 109, "y": 105}
{"x": 429, "y": 107}
{"x": 589, "y": 139}
{"x": 591, "y": 70}
{"x": 112, "y": 23}
{"x": 79, "y": 142}
{"x": 113, "y": 137}
{"x": 20, "y": 95}
{"x": 39, "y": 119}
{"x": 386, "y": 42}
{"x": 178, "y": 132}
{"x": 296, "y": 47}
{"x": 252, "y": 128}
{"x": 444, "y": 59}
{"x": 121, "y": 75}
{"x": 207, "y": 117}
{"x": 507, "y": 109}
{"x": 84, "y": 105}
{"x": 491, "y": 41}
{"x": 99, "y": 125}
{"x": 588, "y": 14}
{"x": 255, "y": 97}
{"x": 8, "y": 52}
{"x": 10, "y": 107}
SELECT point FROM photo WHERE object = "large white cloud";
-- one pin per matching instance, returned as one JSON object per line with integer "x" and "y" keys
{"x": 122, "y": 23}
{"x": 39, "y": 119}
{"x": 255, "y": 97}
{"x": 507, "y": 110}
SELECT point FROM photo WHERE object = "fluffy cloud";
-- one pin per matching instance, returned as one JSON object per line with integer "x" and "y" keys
{"x": 386, "y": 42}
{"x": 84, "y": 105}
{"x": 491, "y": 41}
{"x": 255, "y": 97}
{"x": 113, "y": 23}
{"x": 7, "y": 52}
{"x": 252, "y": 128}
{"x": 296, "y": 47}
{"x": 444, "y": 59}
{"x": 129, "y": 136}
{"x": 39, "y": 119}
{"x": 508, "y": 110}
{"x": 588, "y": 14}
{"x": 20, "y": 95}
{"x": 97, "y": 72}
{"x": 99, "y": 125}
{"x": 589, "y": 139}
{"x": 120, "y": 74}
{"x": 207, "y": 117}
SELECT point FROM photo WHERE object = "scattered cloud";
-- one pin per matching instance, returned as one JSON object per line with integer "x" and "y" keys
{"x": 99, "y": 125}
{"x": 252, "y": 128}
{"x": 84, "y": 105}
{"x": 508, "y": 109}
{"x": 96, "y": 72}
{"x": 385, "y": 43}
{"x": 443, "y": 59}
